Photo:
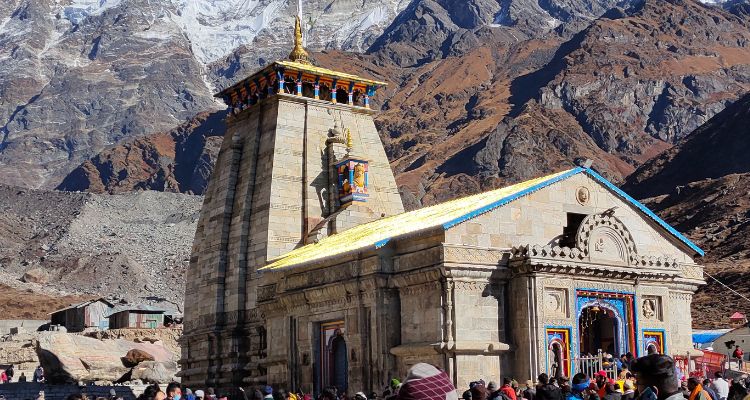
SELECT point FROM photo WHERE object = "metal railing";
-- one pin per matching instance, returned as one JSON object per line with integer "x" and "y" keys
{"x": 590, "y": 365}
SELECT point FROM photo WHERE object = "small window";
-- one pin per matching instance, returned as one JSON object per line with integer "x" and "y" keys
{"x": 568, "y": 238}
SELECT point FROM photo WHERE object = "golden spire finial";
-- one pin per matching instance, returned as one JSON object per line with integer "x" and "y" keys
{"x": 298, "y": 53}
{"x": 349, "y": 142}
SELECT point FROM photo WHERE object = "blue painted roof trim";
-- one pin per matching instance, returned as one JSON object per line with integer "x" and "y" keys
{"x": 508, "y": 199}
{"x": 577, "y": 170}
{"x": 645, "y": 210}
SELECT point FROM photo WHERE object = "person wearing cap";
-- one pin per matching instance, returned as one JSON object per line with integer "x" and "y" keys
{"x": 427, "y": 382}
{"x": 656, "y": 378}
{"x": 492, "y": 392}
{"x": 199, "y": 395}
{"x": 267, "y": 393}
{"x": 600, "y": 384}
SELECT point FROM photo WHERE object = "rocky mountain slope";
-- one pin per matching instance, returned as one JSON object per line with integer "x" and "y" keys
{"x": 77, "y": 76}
{"x": 180, "y": 160}
{"x": 627, "y": 87}
{"x": 702, "y": 187}
{"x": 134, "y": 246}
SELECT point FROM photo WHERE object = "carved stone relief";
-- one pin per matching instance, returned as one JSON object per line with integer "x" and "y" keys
{"x": 604, "y": 238}
{"x": 651, "y": 308}
{"x": 556, "y": 303}
{"x": 583, "y": 195}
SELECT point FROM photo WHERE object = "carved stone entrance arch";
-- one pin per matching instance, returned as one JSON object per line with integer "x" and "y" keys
{"x": 605, "y": 239}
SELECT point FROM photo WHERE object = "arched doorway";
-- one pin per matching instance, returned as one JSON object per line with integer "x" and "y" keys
{"x": 598, "y": 329}
{"x": 558, "y": 356}
{"x": 339, "y": 363}
{"x": 331, "y": 367}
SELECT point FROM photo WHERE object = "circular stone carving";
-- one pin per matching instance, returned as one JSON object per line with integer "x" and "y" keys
{"x": 552, "y": 302}
{"x": 582, "y": 195}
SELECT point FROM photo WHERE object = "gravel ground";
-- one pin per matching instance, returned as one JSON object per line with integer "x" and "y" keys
{"x": 134, "y": 246}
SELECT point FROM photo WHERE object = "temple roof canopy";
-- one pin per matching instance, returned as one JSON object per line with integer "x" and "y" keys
{"x": 287, "y": 67}
{"x": 378, "y": 233}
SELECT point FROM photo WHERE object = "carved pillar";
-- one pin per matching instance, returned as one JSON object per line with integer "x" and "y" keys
{"x": 367, "y": 101}
{"x": 280, "y": 78}
{"x": 448, "y": 326}
{"x": 351, "y": 98}
{"x": 333, "y": 91}
{"x": 317, "y": 91}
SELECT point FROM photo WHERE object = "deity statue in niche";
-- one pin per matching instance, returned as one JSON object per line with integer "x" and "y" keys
{"x": 359, "y": 178}
{"x": 345, "y": 188}
{"x": 649, "y": 308}
{"x": 352, "y": 180}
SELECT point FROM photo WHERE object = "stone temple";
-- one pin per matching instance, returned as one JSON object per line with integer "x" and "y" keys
{"x": 306, "y": 271}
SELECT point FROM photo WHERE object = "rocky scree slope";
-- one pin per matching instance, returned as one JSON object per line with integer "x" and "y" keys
{"x": 702, "y": 187}
{"x": 134, "y": 246}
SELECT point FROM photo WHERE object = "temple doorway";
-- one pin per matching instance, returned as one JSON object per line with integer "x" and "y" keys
{"x": 598, "y": 329}
{"x": 332, "y": 361}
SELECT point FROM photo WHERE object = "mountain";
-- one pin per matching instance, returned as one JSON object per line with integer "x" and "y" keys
{"x": 702, "y": 187}
{"x": 625, "y": 88}
{"x": 78, "y": 76}
{"x": 180, "y": 160}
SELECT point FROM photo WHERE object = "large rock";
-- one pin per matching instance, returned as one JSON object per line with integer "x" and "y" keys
{"x": 35, "y": 275}
{"x": 73, "y": 358}
{"x": 135, "y": 357}
{"x": 155, "y": 372}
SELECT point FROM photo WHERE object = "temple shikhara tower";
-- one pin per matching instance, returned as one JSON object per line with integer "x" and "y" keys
{"x": 306, "y": 272}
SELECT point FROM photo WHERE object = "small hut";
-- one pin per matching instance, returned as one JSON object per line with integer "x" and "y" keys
{"x": 81, "y": 316}
{"x": 737, "y": 320}
{"x": 136, "y": 316}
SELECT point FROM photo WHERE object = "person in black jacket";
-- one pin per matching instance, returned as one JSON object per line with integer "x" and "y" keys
{"x": 547, "y": 391}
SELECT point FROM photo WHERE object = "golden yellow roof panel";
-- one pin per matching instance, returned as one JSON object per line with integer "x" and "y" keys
{"x": 376, "y": 234}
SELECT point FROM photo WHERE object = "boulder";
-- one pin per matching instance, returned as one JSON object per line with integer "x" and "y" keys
{"x": 135, "y": 357}
{"x": 72, "y": 358}
{"x": 155, "y": 372}
{"x": 35, "y": 275}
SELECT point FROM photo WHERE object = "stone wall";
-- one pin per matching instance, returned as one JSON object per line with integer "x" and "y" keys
{"x": 24, "y": 325}
{"x": 30, "y": 391}
{"x": 539, "y": 218}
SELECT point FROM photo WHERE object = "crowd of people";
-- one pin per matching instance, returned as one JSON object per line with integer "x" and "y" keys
{"x": 653, "y": 377}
